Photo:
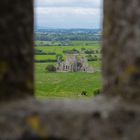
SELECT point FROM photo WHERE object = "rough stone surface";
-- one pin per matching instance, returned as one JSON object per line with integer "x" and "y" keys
{"x": 98, "y": 119}
{"x": 104, "y": 118}
{"x": 121, "y": 48}
{"x": 16, "y": 46}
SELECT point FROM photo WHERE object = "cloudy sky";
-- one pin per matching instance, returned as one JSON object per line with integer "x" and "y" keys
{"x": 68, "y": 13}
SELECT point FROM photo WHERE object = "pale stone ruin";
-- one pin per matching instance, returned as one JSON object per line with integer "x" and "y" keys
{"x": 74, "y": 63}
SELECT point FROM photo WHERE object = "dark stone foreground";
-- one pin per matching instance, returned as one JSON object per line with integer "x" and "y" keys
{"x": 98, "y": 119}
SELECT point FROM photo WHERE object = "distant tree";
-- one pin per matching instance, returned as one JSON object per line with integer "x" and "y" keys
{"x": 51, "y": 53}
{"x": 96, "y": 51}
{"x": 51, "y": 68}
{"x": 89, "y": 51}
{"x": 39, "y": 52}
{"x": 59, "y": 56}
{"x": 73, "y": 51}
{"x": 82, "y": 49}
{"x": 91, "y": 58}
{"x": 84, "y": 93}
{"x": 96, "y": 92}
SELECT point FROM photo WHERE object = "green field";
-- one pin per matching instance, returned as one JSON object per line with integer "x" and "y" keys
{"x": 69, "y": 85}
{"x": 65, "y": 84}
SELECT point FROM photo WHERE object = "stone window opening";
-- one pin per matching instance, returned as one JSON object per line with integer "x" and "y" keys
{"x": 74, "y": 61}
{"x": 112, "y": 116}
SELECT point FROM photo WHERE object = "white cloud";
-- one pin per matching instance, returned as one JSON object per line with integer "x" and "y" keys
{"x": 68, "y": 13}
{"x": 68, "y": 3}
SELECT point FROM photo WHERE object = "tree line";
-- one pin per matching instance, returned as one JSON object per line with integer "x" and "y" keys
{"x": 67, "y": 36}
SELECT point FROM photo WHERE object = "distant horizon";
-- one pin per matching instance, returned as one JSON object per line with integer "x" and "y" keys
{"x": 67, "y": 28}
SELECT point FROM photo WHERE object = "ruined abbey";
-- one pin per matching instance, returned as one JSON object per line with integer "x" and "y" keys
{"x": 73, "y": 63}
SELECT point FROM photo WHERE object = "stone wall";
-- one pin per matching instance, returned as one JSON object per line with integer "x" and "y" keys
{"x": 16, "y": 48}
{"x": 121, "y": 49}
{"x": 114, "y": 115}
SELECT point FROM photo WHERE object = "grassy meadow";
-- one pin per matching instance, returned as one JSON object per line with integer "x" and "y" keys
{"x": 66, "y": 85}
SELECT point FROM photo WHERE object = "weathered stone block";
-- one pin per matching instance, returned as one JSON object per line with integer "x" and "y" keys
{"x": 98, "y": 119}
{"x": 121, "y": 50}
{"x": 16, "y": 47}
